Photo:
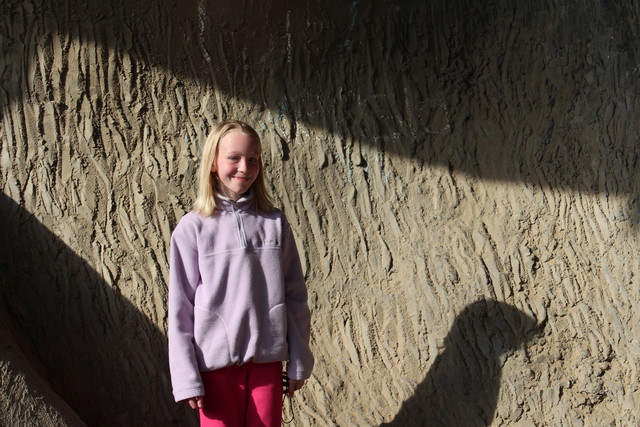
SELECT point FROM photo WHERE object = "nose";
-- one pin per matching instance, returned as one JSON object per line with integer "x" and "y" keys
{"x": 242, "y": 165}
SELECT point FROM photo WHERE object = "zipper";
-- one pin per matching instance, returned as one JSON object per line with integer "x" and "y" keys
{"x": 240, "y": 227}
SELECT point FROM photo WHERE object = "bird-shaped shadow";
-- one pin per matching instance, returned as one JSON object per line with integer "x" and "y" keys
{"x": 461, "y": 387}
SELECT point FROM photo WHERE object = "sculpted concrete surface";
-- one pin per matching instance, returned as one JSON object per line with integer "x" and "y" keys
{"x": 462, "y": 179}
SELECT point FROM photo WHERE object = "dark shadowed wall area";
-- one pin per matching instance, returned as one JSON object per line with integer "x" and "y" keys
{"x": 461, "y": 177}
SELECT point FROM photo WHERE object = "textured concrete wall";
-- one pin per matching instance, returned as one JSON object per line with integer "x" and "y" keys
{"x": 462, "y": 178}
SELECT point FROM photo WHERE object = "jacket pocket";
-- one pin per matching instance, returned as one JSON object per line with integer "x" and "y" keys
{"x": 211, "y": 339}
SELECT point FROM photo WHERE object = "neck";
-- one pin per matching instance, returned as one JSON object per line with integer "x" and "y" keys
{"x": 222, "y": 191}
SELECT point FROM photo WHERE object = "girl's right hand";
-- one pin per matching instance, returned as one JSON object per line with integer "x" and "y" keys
{"x": 195, "y": 402}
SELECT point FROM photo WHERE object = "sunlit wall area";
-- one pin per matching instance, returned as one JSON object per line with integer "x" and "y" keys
{"x": 461, "y": 178}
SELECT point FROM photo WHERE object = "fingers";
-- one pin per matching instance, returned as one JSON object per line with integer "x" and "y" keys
{"x": 295, "y": 385}
{"x": 200, "y": 402}
{"x": 196, "y": 402}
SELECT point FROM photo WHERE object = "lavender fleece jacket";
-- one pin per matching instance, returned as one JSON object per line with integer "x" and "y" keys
{"x": 236, "y": 295}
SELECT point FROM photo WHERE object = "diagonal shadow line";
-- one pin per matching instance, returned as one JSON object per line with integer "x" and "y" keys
{"x": 98, "y": 352}
{"x": 462, "y": 386}
{"x": 421, "y": 88}
{"x": 26, "y": 395}
{"x": 336, "y": 72}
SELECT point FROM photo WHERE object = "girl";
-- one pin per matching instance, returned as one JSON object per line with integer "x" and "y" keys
{"x": 237, "y": 297}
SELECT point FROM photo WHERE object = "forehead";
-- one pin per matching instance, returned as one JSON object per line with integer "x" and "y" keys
{"x": 238, "y": 141}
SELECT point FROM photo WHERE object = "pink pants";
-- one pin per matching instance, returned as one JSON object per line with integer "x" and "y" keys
{"x": 247, "y": 395}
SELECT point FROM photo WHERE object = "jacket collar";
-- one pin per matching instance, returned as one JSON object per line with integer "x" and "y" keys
{"x": 226, "y": 204}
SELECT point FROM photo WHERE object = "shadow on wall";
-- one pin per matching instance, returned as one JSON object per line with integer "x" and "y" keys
{"x": 461, "y": 388}
{"x": 97, "y": 351}
{"x": 527, "y": 91}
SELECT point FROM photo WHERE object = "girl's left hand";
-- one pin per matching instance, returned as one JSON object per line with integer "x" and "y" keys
{"x": 294, "y": 385}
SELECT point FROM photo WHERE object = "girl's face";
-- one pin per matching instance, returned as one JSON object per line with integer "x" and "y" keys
{"x": 237, "y": 164}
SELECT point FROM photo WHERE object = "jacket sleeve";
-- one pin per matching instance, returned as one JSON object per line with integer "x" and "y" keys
{"x": 184, "y": 277}
{"x": 301, "y": 360}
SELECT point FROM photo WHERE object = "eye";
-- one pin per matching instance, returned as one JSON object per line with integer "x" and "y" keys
{"x": 234, "y": 158}
{"x": 253, "y": 160}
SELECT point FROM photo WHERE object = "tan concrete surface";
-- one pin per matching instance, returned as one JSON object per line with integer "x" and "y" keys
{"x": 462, "y": 179}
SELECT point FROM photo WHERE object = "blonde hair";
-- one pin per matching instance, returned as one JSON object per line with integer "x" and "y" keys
{"x": 205, "y": 203}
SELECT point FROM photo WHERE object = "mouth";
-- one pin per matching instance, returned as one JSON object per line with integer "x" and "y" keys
{"x": 241, "y": 178}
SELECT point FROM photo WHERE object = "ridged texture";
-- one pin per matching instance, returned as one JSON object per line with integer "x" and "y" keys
{"x": 461, "y": 178}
